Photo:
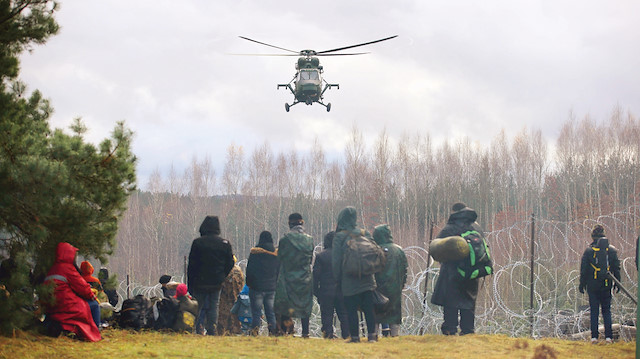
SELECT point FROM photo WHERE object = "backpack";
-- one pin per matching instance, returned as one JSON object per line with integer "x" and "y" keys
{"x": 167, "y": 313}
{"x": 362, "y": 256}
{"x": 136, "y": 313}
{"x": 185, "y": 321}
{"x": 478, "y": 264}
{"x": 600, "y": 262}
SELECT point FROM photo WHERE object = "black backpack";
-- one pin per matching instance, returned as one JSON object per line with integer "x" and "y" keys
{"x": 362, "y": 256}
{"x": 599, "y": 262}
{"x": 167, "y": 313}
{"x": 136, "y": 313}
{"x": 478, "y": 264}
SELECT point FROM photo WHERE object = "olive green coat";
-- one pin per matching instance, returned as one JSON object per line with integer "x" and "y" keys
{"x": 346, "y": 225}
{"x": 294, "y": 288}
{"x": 393, "y": 277}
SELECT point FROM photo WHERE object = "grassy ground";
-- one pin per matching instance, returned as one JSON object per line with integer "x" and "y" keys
{"x": 125, "y": 344}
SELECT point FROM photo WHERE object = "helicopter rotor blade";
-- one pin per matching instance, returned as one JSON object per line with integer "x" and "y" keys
{"x": 264, "y": 54}
{"x": 265, "y": 44}
{"x": 352, "y": 46}
{"x": 349, "y": 54}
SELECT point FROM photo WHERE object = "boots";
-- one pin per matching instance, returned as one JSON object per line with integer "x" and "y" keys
{"x": 372, "y": 337}
{"x": 354, "y": 340}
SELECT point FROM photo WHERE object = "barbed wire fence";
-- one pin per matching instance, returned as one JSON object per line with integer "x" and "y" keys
{"x": 503, "y": 306}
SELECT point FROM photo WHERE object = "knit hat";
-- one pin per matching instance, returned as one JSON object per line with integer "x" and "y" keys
{"x": 598, "y": 231}
{"x": 165, "y": 279}
{"x": 181, "y": 290}
{"x": 295, "y": 219}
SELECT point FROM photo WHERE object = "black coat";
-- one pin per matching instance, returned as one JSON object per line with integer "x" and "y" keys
{"x": 210, "y": 259}
{"x": 587, "y": 279}
{"x": 325, "y": 286}
{"x": 449, "y": 290}
{"x": 262, "y": 269}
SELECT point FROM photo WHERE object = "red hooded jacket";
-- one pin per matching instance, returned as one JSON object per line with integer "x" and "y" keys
{"x": 86, "y": 270}
{"x": 71, "y": 294}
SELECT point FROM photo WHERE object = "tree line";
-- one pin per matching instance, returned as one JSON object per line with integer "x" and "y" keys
{"x": 591, "y": 169}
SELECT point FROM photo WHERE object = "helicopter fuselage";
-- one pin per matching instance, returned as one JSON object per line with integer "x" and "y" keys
{"x": 308, "y": 83}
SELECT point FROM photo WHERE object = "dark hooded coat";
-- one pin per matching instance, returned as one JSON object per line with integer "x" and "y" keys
{"x": 294, "y": 288}
{"x": 392, "y": 278}
{"x": 347, "y": 226}
{"x": 210, "y": 259}
{"x": 71, "y": 293}
{"x": 590, "y": 281}
{"x": 263, "y": 265}
{"x": 325, "y": 286}
{"x": 449, "y": 290}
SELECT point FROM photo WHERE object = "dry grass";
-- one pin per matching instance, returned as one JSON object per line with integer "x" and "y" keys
{"x": 125, "y": 344}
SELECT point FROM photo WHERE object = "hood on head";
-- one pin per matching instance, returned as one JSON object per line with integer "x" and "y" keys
{"x": 66, "y": 253}
{"x": 266, "y": 241}
{"x": 328, "y": 240}
{"x": 210, "y": 225}
{"x": 103, "y": 274}
{"x": 86, "y": 268}
{"x": 465, "y": 214}
{"x": 382, "y": 234}
{"x": 347, "y": 219}
{"x": 181, "y": 290}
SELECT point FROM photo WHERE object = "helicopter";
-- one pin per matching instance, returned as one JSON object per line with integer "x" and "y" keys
{"x": 308, "y": 84}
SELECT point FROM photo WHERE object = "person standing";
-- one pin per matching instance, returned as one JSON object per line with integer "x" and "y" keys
{"x": 457, "y": 296}
{"x": 231, "y": 287}
{"x": 598, "y": 260}
{"x": 327, "y": 291}
{"x": 210, "y": 261}
{"x": 262, "y": 274}
{"x": 294, "y": 287}
{"x": 391, "y": 280}
{"x": 357, "y": 291}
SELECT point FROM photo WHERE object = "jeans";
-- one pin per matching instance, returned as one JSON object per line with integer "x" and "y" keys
{"x": 258, "y": 301}
{"x": 363, "y": 300}
{"x": 597, "y": 299}
{"x": 327, "y": 307}
{"x": 208, "y": 303}
{"x": 450, "y": 325}
{"x": 95, "y": 311}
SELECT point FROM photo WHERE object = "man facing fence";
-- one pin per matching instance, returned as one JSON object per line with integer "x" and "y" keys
{"x": 210, "y": 261}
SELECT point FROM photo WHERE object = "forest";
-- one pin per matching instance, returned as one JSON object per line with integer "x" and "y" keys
{"x": 592, "y": 169}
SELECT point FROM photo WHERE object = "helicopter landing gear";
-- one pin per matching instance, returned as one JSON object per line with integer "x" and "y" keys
{"x": 286, "y": 107}
{"x": 329, "y": 107}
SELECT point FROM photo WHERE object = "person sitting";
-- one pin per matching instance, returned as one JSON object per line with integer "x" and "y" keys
{"x": 108, "y": 284}
{"x": 72, "y": 295}
{"x": 187, "y": 310}
{"x": 242, "y": 309}
{"x": 168, "y": 286}
{"x": 104, "y": 312}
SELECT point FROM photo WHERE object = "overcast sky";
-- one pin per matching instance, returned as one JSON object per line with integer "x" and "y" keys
{"x": 457, "y": 68}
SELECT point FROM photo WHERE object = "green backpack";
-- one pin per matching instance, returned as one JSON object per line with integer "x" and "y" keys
{"x": 362, "y": 256}
{"x": 478, "y": 264}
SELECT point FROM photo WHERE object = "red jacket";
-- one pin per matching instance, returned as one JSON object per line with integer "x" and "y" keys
{"x": 71, "y": 294}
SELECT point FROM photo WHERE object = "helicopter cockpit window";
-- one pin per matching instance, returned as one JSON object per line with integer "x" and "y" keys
{"x": 308, "y": 75}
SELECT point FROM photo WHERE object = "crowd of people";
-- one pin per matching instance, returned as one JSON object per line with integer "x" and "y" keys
{"x": 280, "y": 283}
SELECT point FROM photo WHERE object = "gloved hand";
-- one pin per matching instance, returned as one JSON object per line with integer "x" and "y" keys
{"x": 582, "y": 288}
{"x": 616, "y": 288}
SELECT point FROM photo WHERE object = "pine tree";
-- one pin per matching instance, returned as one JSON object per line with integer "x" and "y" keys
{"x": 54, "y": 186}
